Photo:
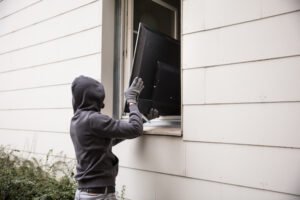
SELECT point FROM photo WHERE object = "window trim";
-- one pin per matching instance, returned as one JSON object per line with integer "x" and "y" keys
{"x": 166, "y": 125}
{"x": 172, "y": 8}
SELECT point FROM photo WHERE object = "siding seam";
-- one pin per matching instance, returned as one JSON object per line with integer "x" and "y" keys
{"x": 30, "y": 109}
{"x": 239, "y": 23}
{"x": 21, "y": 9}
{"x": 240, "y": 103}
{"x": 31, "y": 130}
{"x": 47, "y": 19}
{"x": 240, "y": 144}
{"x": 212, "y": 181}
{"x": 49, "y": 63}
{"x": 43, "y": 154}
{"x": 242, "y": 62}
{"x": 50, "y": 40}
{"x": 38, "y": 87}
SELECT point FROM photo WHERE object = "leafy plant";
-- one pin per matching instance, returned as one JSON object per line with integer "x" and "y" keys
{"x": 30, "y": 178}
{"x": 121, "y": 194}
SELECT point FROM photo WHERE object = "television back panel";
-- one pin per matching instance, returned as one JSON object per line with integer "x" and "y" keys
{"x": 166, "y": 94}
{"x": 152, "y": 47}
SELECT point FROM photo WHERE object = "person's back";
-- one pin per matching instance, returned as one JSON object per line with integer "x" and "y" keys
{"x": 93, "y": 135}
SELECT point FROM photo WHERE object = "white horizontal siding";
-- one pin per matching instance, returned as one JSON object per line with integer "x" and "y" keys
{"x": 138, "y": 184}
{"x": 201, "y": 49}
{"x": 275, "y": 169}
{"x": 59, "y": 96}
{"x": 38, "y": 142}
{"x": 264, "y": 81}
{"x": 215, "y": 13}
{"x": 60, "y": 143}
{"x": 193, "y": 86}
{"x": 37, "y": 13}
{"x": 243, "y": 42}
{"x": 57, "y": 73}
{"x": 225, "y": 12}
{"x": 80, "y": 19}
{"x": 164, "y": 187}
{"x": 161, "y": 154}
{"x": 43, "y": 48}
{"x": 244, "y": 58}
{"x": 52, "y": 120}
{"x": 83, "y": 43}
{"x": 268, "y": 81}
{"x": 21, "y": 140}
{"x": 274, "y": 7}
{"x": 191, "y": 10}
{"x": 274, "y": 124}
{"x": 9, "y": 7}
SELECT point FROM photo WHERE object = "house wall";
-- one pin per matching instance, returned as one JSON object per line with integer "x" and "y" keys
{"x": 241, "y": 100}
{"x": 44, "y": 45}
{"x": 241, "y": 83}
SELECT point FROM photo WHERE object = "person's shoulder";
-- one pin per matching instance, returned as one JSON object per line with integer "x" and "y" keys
{"x": 98, "y": 116}
{"x": 99, "y": 121}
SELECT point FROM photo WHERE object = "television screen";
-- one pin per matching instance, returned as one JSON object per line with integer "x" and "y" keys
{"x": 157, "y": 56}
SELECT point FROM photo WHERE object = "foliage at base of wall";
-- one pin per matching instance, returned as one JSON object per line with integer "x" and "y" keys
{"x": 30, "y": 178}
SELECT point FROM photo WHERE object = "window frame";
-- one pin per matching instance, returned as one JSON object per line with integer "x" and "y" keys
{"x": 124, "y": 28}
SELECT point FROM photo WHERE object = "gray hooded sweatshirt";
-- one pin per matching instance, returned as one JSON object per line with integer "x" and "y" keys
{"x": 93, "y": 134}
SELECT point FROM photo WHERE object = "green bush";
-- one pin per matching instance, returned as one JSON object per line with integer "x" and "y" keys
{"x": 33, "y": 179}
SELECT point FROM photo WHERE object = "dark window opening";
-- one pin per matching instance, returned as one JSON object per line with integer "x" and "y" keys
{"x": 156, "y": 59}
{"x": 159, "y": 15}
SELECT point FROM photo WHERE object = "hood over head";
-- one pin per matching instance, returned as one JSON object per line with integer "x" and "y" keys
{"x": 88, "y": 94}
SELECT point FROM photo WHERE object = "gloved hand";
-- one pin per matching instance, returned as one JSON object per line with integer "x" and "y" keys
{"x": 132, "y": 93}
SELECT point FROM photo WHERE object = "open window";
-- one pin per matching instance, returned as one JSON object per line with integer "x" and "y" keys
{"x": 149, "y": 44}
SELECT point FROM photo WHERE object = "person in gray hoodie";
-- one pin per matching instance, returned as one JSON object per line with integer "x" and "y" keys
{"x": 93, "y": 134}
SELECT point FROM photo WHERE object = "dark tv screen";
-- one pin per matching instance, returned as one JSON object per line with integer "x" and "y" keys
{"x": 157, "y": 56}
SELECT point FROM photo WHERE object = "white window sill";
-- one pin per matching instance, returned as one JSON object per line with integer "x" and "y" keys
{"x": 170, "y": 125}
{"x": 171, "y": 131}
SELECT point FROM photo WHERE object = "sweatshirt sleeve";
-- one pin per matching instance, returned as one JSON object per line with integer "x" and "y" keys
{"x": 116, "y": 141}
{"x": 106, "y": 127}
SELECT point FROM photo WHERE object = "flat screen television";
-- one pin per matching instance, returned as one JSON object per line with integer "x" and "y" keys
{"x": 157, "y": 61}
